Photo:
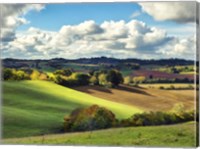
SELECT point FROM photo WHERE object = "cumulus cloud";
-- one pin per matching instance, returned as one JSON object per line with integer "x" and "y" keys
{"x": 119, "y": 39}
{"x": 180, "y": 48}
{"x": 181, "y": 12}
{"x": 12, "y": 16}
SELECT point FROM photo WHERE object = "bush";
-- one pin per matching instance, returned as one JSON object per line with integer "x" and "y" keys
{"x": 161, "y": 87}
{"x": 140, "y": 79}
{"x": 127, "y": 80}
{"x": 13, "y": 74}
{"x": 91, "y": 118}
{"x": 160, "y": 118}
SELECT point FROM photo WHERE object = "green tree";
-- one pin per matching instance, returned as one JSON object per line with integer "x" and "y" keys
{"x": 91, "y": 118}
{"x": 102, "y": 79}
{"x": 64, "y": 72}
{"x": 81, "y": 78}
{"x": 7, "y": 74}
{"x": 115, "y": 77}
{"x": 94, "y": 80}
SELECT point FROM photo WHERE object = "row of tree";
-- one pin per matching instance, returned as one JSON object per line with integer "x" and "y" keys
{"x": 142, "y": 79}
{"x": 105, "y": 78}
{"x": 23, "y": 74}
{"x": 67, "y": 77}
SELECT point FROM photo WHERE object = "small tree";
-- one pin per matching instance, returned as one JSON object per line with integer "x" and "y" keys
{"x": 7, "y": 74}
{"x": 81, "y": 78}
{"x": 94, "y": 80}
{"x": 127, "y": 80}
{"x": 139, "y": 79}
{"x": 35, "y": 75}
{"x": 64, "y": 72}
{"x": 102, "y": 79}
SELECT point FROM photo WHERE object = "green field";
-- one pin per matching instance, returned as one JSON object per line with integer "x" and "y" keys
{"x": 38, "y": 107}
{"x": 179, "y": 135}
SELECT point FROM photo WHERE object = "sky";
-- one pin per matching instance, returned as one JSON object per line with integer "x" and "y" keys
{"x": 146, "y": 30}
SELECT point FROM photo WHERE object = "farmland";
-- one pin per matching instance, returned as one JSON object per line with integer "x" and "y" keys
{"x": 179, "y": 135}
{"x": 39, "y": 94}
{"x": 145, "y": 98}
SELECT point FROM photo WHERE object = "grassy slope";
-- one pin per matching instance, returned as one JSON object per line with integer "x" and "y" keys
{"x": 38, "y": 107}
{"x": 145, "y": 98}
{"x": 180, "y": 135}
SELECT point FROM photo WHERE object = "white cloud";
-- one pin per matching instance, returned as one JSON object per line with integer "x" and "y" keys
{"x": 133, "y": 39}
{"x": 12, "y": 16}
{"x": 181, "y": 12}
{"x": 180, "y": 48}
{"x": 135, "y": 14}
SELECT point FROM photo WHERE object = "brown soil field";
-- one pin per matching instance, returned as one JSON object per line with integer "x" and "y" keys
{"x": 144, "y": 98}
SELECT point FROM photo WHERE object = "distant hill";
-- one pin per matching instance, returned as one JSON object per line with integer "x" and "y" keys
{"x": 10, "y": 62}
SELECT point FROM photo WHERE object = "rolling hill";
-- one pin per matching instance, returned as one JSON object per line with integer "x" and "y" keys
{"x": 38, "y": 107}
{"x": 148, "y": 99}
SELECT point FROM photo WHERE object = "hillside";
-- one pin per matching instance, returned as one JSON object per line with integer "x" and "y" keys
{"x": 179, "y": 135}
{"x": 38, "y": 107}
{"x": 144, "y": 98}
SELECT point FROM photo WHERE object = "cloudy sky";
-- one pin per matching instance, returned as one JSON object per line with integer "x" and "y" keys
{"x": 148, "y": 30}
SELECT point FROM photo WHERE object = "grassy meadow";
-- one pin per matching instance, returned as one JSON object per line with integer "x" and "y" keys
{"x": 179, "y": 135}
{"x": 38, "y": 107}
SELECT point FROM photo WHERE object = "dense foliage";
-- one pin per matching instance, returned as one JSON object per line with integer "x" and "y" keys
{"x": 96, "y": 117}
{"x": 91, "y": 118}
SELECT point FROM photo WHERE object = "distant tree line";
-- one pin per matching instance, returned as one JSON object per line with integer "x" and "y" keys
{"x": 142, "y": 79}
{"x": 66, "y": 77}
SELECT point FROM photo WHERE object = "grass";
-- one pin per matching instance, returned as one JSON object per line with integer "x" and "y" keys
{"x": 179, "y": 135}
{"x": 38, "y": 107}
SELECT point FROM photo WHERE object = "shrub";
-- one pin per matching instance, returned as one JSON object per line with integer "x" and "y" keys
{"x": 140, "y": 79}
{"x": 159, "y": 118}
{"x": 90, "y": 118}
{"x": 127, "y": 80}
{"x": 161, "y": 87}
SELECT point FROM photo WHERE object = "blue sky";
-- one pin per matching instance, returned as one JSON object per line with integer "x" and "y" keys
{"x": 54, "y": 16}
{"x": 155, "y": 30}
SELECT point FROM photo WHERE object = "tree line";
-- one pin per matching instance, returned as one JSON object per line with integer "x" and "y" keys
{"x": 66, "y": 77}
{"x": 96, "y": 117}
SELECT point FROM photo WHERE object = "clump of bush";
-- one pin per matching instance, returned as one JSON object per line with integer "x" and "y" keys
{"x": 95, "y": 117}
{"x": 159, "y": 118}
{"x": 91, "y": 118}
{"x": 12, "y": 74}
